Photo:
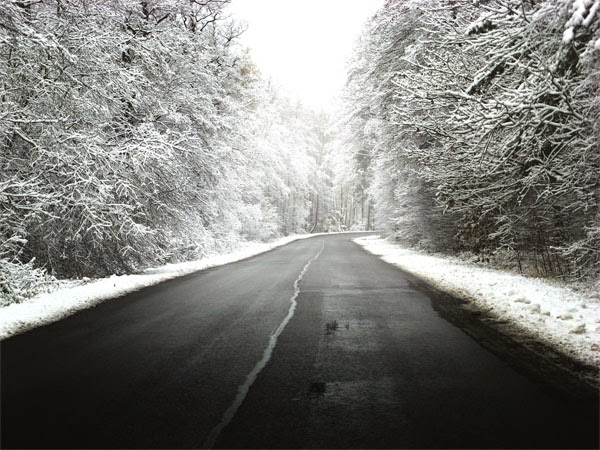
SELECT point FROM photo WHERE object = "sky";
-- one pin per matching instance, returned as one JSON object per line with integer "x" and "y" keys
{"x": 304, "y": 45}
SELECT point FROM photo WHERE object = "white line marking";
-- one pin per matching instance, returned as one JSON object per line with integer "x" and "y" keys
{"x": 260, "y": 365}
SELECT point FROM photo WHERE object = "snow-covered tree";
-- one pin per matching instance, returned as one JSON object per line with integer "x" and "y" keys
{"x": 137, "y": 131}
{"x": 485, "y": 112}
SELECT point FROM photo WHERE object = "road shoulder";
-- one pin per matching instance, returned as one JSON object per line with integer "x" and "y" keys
{"x": 516, "y": 317}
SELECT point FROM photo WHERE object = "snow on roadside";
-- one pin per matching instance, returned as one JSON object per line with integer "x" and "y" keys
{"x": 550, "y": 311}
{"x": 46, "y": 308}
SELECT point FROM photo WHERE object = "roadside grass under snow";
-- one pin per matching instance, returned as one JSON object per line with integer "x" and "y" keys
{"x": 46, "y": 308}
{"x": 552, "y": 312}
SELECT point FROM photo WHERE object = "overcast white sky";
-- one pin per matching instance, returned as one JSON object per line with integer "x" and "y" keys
{"x": 303, "y": 45}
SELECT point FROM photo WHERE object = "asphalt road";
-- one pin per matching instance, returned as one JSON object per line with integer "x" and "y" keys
{"x": 365, "y": 360}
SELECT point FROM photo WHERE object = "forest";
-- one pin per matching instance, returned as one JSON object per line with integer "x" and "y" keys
{"x": 135, "y": 132}
{"x": 139, "y": 132}
{"x": 477, "y": 125}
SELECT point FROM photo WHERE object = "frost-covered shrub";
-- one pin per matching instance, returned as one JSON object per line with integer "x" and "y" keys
{"x": 19, "y": 281}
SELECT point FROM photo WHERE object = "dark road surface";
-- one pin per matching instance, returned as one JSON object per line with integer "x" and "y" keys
{"x": 160, "y": 368}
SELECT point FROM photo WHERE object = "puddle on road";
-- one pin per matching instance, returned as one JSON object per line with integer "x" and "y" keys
{"x": 350, "y": 409}
{"x": 331, "y": 327}
{"x": 317, "y": 388}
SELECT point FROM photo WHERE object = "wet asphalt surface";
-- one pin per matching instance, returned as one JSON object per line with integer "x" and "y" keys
{"x": 368, "y": 360}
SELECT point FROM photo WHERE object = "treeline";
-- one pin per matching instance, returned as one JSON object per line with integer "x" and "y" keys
{"x": 478, "y": 125}
{"x": 136, "y": 132}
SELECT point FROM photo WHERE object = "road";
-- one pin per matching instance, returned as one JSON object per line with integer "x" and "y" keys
{"x": 224, "y": 358}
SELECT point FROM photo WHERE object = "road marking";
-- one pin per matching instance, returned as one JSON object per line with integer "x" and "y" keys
{"x": 260, "y": 365}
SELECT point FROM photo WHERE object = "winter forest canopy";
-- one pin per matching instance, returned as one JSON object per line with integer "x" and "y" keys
{"x": 477, "y": 123}
{"x": 137, "y": 132}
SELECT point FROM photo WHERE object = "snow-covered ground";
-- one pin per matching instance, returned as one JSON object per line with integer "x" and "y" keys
{"x": 554, "y": 313}
{"x": 49, "y": 307}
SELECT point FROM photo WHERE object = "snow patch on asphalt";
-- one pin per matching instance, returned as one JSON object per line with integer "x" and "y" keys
{"x": 551, "y": 311}
{"x": 46, "y": 308}
{"x": 260, "y": 365}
